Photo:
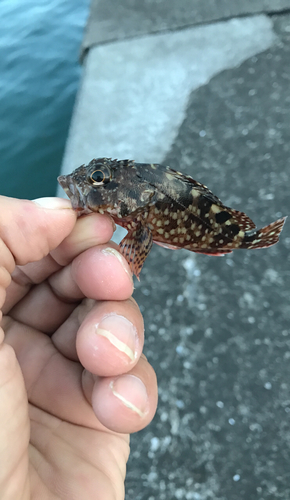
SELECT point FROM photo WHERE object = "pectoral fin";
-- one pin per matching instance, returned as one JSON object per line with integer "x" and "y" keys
{"x": 135, "y": 247}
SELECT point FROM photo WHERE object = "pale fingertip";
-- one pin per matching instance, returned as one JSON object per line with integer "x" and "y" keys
{"x": 100, "y": 276}
{"x": 115, "y": 253}
{"x": 53, "y": 203}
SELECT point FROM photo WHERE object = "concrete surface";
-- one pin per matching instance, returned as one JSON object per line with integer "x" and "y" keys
{"x": 217, "y": 329}
{"x": 115, "y": 20}
{"x": 140, "y": 90}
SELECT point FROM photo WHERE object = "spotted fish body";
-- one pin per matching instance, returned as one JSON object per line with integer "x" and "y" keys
{"x": 157, "y": 204}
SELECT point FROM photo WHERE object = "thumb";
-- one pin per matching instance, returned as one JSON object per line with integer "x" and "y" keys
{"x": 14, "y": 427}
{"x": 30, "y": 230}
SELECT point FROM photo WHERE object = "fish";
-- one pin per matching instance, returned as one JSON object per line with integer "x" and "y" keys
{"x": 158, "y": 204}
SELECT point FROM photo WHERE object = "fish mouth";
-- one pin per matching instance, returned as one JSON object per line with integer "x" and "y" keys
{"x": 72, "y": 191}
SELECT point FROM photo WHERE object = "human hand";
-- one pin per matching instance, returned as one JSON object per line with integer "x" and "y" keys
{"x": 73, "y": 382}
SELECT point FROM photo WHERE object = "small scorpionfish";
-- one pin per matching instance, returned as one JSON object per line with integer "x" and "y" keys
{"x": 157, "y": 204}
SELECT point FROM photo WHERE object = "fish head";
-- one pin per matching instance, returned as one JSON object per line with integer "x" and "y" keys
{"x": 106, "y": 185}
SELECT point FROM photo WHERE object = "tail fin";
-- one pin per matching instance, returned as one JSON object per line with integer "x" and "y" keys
{"x": 265, "y": 237}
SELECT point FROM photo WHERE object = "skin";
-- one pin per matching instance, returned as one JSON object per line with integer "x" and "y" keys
{"x": 73, "y": 380}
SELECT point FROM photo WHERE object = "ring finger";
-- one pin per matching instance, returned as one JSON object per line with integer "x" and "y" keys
{"x": 106, "y": 337}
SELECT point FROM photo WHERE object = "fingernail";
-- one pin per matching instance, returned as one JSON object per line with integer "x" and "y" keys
{"x": 132, "y": 392}
{"x": 112, "y": 251}
{"x": 121, "y": 333}
{"x": 53, "y": 203}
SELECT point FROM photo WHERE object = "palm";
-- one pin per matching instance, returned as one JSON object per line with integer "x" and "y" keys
{"x": 71, "y": 461}
{"x": 64, "y": 431}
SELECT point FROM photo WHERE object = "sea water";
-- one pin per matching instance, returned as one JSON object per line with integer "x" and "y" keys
{"x": 39, "y": 76}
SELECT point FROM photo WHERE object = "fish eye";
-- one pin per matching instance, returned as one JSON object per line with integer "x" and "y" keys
{"x": 101, "y": 176}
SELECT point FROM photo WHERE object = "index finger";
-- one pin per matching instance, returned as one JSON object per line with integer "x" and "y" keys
{"x": 29, "y": 231}
{"x": 89, "y": 231}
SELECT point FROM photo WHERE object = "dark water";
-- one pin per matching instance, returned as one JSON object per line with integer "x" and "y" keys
{"x": 39, "y": 76}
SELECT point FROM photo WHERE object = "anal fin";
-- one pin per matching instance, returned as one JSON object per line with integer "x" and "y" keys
{"x": 214, "y": 252}
{"x": 166, "y": 245}
{"x": 135, "y": 247}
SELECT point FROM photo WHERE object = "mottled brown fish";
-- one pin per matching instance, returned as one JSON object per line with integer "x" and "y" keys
{"x": 156, "y": 203}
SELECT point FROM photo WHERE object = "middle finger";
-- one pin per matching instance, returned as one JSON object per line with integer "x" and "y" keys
{"x": 89, "y": 231}
{"x": 106, "y": 337}
{"x": 100, "y": 273}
